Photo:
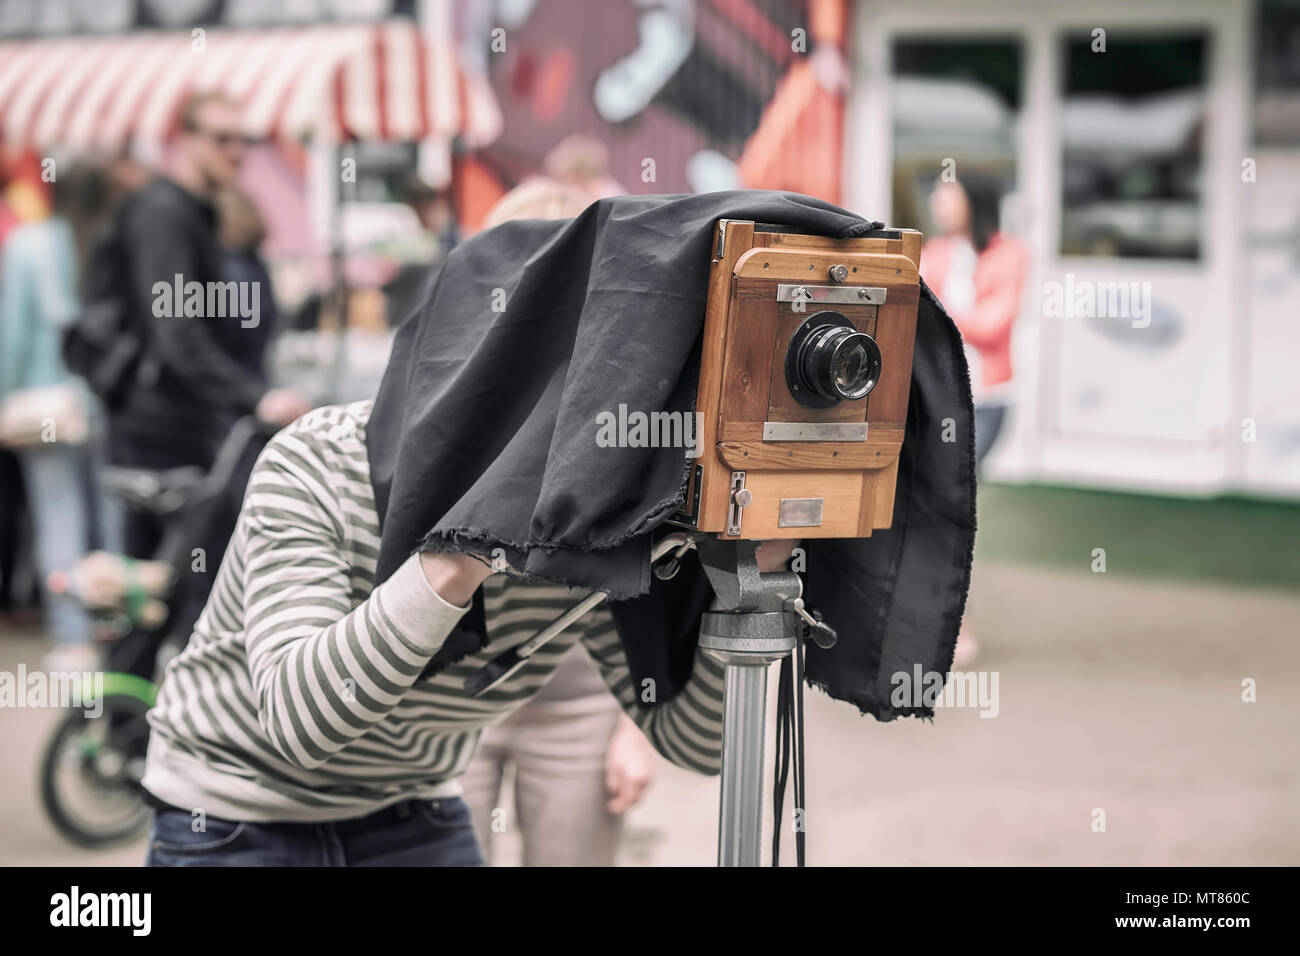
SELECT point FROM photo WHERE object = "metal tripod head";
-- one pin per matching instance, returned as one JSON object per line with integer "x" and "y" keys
{"x": 732, "y": 570}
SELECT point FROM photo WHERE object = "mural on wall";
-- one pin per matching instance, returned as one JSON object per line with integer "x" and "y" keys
{"x": 684, "y": 95}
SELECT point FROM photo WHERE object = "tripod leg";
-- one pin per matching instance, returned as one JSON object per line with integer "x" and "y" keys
{"x": 740, "y": 821}
{"x": 755, "y": 629}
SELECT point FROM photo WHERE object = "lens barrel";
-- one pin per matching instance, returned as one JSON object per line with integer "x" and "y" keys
{"x": 829, "y": 361}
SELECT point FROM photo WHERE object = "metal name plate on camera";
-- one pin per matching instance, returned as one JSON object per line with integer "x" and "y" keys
{"x": 800, "y": 513}
{"x": 831, "y": 294}
{"x": 814, "y": 431}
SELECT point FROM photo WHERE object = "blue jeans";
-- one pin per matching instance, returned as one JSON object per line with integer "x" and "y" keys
{"x": 412, "y": 833}
{"x": 56, "y": 477}
{"x": 988, "y": 424}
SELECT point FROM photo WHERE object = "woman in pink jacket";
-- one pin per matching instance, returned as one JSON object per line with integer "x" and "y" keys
{"x": 979, "y": 274}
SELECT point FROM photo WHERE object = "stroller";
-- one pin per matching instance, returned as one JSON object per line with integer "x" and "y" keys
{"x": 94, "y": 762}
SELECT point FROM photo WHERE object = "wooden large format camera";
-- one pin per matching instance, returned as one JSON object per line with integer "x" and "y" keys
{"x": 805, "y": 370}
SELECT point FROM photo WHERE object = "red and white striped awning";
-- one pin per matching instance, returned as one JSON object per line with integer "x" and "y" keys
{"x": 386, "y": 81}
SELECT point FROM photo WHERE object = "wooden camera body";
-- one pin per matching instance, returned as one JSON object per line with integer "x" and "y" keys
{"x": 785, "y": 453}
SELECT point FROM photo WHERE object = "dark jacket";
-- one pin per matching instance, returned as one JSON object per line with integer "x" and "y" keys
{"x": 482, "y": 439}
{"x": 246, "y": 343}
{"x": 190, "y": 384}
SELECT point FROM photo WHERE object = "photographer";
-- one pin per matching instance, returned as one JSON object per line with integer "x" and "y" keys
{"x": 296, "y": 729}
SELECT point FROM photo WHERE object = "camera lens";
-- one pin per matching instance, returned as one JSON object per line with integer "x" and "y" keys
{"x": 832, "y": 361}
{"x": 854, "y": 365}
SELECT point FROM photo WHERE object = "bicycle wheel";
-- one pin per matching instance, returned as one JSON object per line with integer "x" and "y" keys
{"x": 90, "y": 775}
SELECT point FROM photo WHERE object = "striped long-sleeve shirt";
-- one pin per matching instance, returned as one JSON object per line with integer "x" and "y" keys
{"x": 299, "y": 696}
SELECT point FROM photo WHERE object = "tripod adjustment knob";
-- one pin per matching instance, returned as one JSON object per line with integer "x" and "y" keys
{"x": 667, "y": 568}
{"x": 822, "y": 634}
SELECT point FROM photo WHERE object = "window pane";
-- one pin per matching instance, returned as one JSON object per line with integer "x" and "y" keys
{"x": 1277, "y": 55}
{"x": 1132, "y": 124}
{"x": 956, "y": 108}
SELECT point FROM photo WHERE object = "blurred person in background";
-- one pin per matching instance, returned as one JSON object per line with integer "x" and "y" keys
{"x": 39, "y": 271}
{"x": 126, "y": 175}
{"x": 195, "y": 377}
{"x": 582, "y": 162}
{"x": 12, "y": 500}
{"x": 241, "y": 232}
{"x": 103, "y": 579}
{"x": 978, "y": 273}
{"x": 579, "y": 761}
{"x": 412, "y": 280}
{"x": 434, "y": 209}
{"x": 13, "y": 603}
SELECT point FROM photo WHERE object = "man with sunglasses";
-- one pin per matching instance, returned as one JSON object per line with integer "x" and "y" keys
{"x": 189, "y": 385}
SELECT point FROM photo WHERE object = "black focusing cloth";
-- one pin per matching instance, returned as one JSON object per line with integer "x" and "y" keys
{"x": 483, "y": 440}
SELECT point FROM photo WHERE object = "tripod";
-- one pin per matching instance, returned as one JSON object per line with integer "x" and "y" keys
{"x": 758, "y": 623}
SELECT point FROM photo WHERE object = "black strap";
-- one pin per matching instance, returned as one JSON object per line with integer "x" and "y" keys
{"x": 782, "y": 757}
{"x": 790, "y": 750}
{"x": 800, "y": 754}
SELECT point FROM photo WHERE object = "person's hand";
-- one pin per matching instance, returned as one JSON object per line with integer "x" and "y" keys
{"x": 773, "y": 555}
{"x": 280, "y": 406}
{"x": 101, "y": 581}
{"x": 455, "y": 577}
{"x": 629, "y": 766}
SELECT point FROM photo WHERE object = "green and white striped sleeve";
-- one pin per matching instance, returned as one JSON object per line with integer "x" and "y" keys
{"x": 686, "y": 729}
{"x": 324, "y": 671}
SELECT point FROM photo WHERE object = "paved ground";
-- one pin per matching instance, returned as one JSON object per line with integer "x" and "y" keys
{"x": 1114, "y": 693}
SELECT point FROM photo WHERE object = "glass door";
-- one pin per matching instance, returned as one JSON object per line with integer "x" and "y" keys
{"x": 1114, "y": 154}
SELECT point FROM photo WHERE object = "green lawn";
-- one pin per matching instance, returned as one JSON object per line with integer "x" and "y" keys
{"x": 1230, "y": 540}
